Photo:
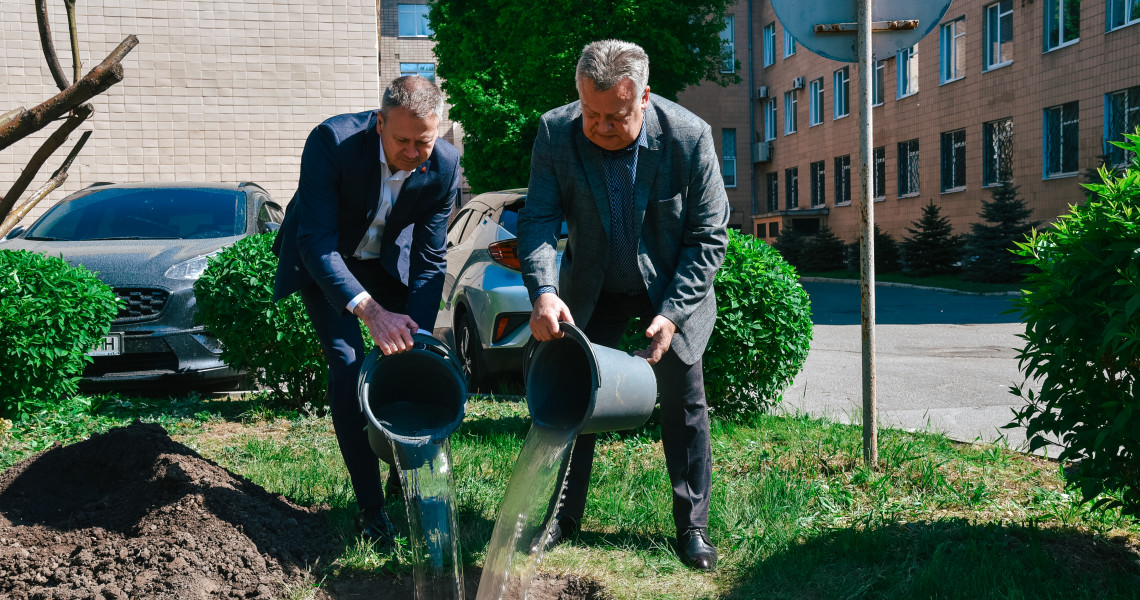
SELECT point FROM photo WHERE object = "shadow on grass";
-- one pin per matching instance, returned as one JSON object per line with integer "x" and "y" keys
{"x": 486, "y": 427}
{"x": 946, "y": 559}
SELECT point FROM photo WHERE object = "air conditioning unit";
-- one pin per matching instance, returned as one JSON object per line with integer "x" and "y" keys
{"x": 761, "y": 152}
{"x": 762, "y": 91}
{"x": 798, "y": 83}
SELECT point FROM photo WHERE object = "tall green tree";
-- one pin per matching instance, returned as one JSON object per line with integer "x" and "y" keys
{"x": 990, "y": 243}
{"x": 505, "y": 62}
{"x": 933, "y": 247}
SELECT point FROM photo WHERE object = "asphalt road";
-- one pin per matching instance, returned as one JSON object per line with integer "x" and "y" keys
{"x": 945, "y": 361}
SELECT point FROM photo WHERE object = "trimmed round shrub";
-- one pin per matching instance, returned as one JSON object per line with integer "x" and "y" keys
{"x": 51, "y": 315}
{"x": 273, "y": 341}
{"x": 1081, "y": 308}
{"x": 763, "y": 330}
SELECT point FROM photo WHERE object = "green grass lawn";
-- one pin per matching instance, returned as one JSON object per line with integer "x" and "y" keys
{"x": 795, "y": 513}
{"x": 949, "y": 281}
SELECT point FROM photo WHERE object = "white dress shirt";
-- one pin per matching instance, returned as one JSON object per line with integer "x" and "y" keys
{"x": 369, "y": 247}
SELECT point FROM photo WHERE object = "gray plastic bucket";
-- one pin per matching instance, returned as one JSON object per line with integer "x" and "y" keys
{"x": 416, "y": 398}
{"x": 574, "y": 384}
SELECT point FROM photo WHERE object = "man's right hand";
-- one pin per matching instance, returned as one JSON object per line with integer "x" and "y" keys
{"x": 391, "y": 331}
{"x": 547, "y": 312}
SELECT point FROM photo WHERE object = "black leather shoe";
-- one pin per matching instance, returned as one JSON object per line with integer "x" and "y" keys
{"x": 559, "y": 532}
{"x": 375, "y": 526}
{"x": 697, "y": 551}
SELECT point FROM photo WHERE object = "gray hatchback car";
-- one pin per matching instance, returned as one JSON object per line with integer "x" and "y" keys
{"x": 150, "y": 243}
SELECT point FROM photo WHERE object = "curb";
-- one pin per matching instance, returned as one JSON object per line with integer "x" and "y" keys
{"x": 907, "y": 285}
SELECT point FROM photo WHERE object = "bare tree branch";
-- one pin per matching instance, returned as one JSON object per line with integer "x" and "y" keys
{"x": 50, "y": 145}
{"x": 49, "y": 45}
{"x": 8, "y": 116}
{"x": 106, "y": 74}
{"x": 57, "y": 179}
{"x": 75, "y": 60}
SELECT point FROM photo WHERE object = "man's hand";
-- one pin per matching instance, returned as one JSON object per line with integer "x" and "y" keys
{"x": 548, "y": 310}
{"x": 392, "y": 332}
{"x": 660, "y": 332}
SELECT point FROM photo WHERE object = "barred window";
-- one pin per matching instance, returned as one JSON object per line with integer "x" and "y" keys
{"x": 908, "y": 168}
{"x": 773, "y": 188}
{"x": 880, "y": 173}
{"x": 843, "y": 180}
{"x": 1122, "y": 115}
{"x": 1061, "y": 134}
{"x": 792, "y": 188}
{"x": 997, "y": 151}
{"x": 817, "y": 184}
{"x": 953, "y": 160}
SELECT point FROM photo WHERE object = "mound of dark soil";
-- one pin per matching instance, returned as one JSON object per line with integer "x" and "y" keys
{"x": 134, "y": 514}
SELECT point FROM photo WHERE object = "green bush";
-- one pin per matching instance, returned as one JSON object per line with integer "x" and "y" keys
{"x": 274, "y": 341}
{"x": 1081, "y": 308}
{"x": 762, "y": 331}
{"x": 932, "y": 248}
{"x": 51, "y": 314}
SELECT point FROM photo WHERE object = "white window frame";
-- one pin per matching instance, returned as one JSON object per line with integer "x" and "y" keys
{"x": 841, "y": 93}
{"x": 952, "y": 57}
{"x": 728, "y": 160}
{"x": 418, "y": 13}
{"x": 815, "y": 102}
{"x": 771, "y": 120}
{"x": 411, "y": 68}
{"x": 1129, "y": 14}
{"x": 906, "y": 72}
{"x": 1055, "y": 17}
{"x": 992, "y": 16}
{"x": 953, "y": 161}
{"x": 789, "y": 44}
{"x": 770, "y": 44}
{"x": 790, "y": 112}
{"x": 1063, "y": 143}
{"x": 728, "y": 45}
{"x": 877, "y": 78}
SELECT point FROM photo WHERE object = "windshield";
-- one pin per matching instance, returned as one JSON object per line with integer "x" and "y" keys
{"x": 155, "y": 213}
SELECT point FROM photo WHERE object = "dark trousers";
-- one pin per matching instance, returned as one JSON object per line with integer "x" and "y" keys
{"x": 343, "y": 347}
{"x": 684, "y": 421}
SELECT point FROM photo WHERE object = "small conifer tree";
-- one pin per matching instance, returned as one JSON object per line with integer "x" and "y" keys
{"x": 990, "y": 243}
{"x": 932, "y": 248}
{"x": 886, "y": 252}
{"x": 824, "y": 252}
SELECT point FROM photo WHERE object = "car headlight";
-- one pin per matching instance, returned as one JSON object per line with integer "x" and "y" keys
{"x": 190, "y": 269}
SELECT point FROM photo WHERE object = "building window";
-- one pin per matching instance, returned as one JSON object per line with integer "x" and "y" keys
{"x": 425, "y": 70}
{"x": 843, "y": 180}
{"x": 414, "y": 20}
{"x": 770, "y": 119}
{"x": 728, "y": 163}
{"x": 997, "y": 151}
{"x": 998, "y": 26}
{"x": 789, "y": 112}
{"x": 1062, "y": 23}
{"x": 815, "y": 101}
{"x": 728, "y": 45}
{"x": 769, "y": 44}
{"x": 842, "y": 93}
{"x": 772, "y": 188}
{"x": 773, "y": 229}
{"x": 789, "y": 44}
{"x": 954, "y": 160}
{"x": 1121, "y": 115}
{"x": 953, "y": 55}
{"x": 906, "y": 66}
{"x": 792, "y": 188}
{"x": 880, "y": 182}
{"x": 877, "y": 82}
{"x": 1123, "y": 12}
{"x": 908, "y": 168}
{"x": 817, "y": 184}
{"x": 1061, "y": 140}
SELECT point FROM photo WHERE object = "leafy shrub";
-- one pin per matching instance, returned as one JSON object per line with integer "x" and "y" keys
{"x": 51, "y": 314}
{"x": 1081, "y": 309}
{"x": 823, "y": 252}
{"x": 933, "y": 247}
{"x": 990, "y": 243}
{"x": 762, "y": 331}
{"x": 274, "y": 341}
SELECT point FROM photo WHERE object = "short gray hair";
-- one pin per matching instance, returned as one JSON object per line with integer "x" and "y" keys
{"x": 607, "y": 62}
{"x": 415, "y": 93}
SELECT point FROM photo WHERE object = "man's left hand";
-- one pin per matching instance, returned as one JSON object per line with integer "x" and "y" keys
{"x": 660, "y": 332}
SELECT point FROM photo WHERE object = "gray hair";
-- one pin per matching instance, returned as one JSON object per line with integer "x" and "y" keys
{"x": 607, "y": 62}
{"x": 415, "y": 93}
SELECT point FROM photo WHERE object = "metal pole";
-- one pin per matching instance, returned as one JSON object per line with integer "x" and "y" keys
{"x": 867, "y": 236}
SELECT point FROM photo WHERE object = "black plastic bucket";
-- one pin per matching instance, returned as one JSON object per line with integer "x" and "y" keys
{"x": 417, "y": 397}
{"x": 574, "y": 384}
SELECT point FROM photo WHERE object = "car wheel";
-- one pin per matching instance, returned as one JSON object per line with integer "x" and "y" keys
{"x": 469, "y": 350}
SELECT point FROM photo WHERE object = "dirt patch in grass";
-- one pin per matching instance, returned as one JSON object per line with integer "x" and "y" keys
{"x": 544, "y": 587}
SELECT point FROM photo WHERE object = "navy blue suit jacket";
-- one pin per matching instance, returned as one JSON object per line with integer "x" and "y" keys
{"x": 336, "y": 200}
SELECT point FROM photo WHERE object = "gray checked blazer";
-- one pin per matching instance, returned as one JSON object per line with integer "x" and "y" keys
{"x": 680, "y": 213}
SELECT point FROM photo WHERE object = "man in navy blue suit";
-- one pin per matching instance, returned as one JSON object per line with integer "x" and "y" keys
{"x": 364, "y": 238}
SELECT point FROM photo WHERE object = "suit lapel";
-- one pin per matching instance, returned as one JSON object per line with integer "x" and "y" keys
{"x": 591, "y": 159}
{"x": 406, "y": 202}
{"x": 647, "y": 159}
{"x": 375, "y": 177}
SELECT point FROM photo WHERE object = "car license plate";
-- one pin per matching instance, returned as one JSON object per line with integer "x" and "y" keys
{"x": 110, "y": 345}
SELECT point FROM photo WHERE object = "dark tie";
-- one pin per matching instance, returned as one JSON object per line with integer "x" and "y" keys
{"x": 622, "y": 274}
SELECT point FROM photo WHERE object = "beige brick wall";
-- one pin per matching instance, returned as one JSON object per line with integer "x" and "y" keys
{"x": 215, "y": 91}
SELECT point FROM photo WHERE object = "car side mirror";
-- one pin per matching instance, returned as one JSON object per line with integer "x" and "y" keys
{"x": 15, "y": 232}
{"x": 270, "y": 226}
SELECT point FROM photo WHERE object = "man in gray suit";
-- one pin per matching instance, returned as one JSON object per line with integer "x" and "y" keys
{"x": 637, "y": 180}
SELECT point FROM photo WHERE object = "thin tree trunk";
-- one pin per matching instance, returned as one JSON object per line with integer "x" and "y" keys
{"x": 57, "y": 179}
{"x": 106, "y": 74}
{"x": 49, "y": 46}
{"x": 75, "y": 60}
{"x": 50, "y": 145}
